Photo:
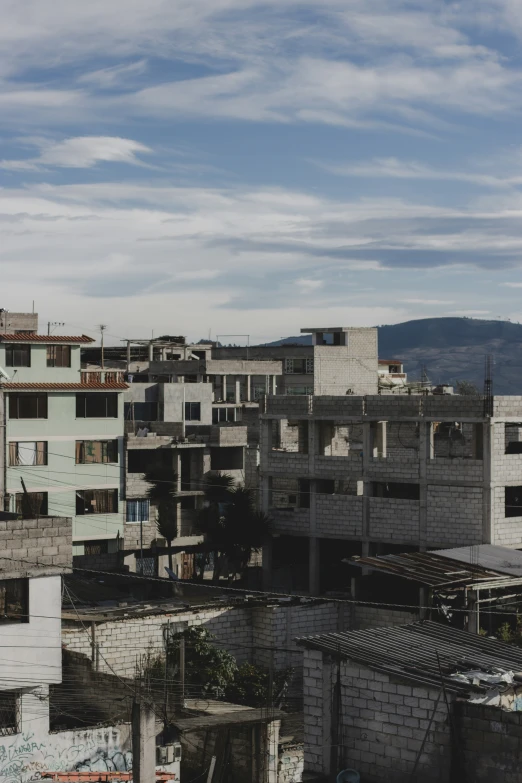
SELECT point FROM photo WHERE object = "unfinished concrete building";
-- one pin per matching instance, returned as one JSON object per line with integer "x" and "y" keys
{"x": 370, "y": 475}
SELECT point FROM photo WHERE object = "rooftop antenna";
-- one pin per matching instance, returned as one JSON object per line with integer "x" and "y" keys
{"x": 102, "y": 328}
{"x": 488, "y": 387}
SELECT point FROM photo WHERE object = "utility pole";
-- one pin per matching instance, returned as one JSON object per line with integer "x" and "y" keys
{"x": 143, "y": 742}
{"x": 52, "y": 324}
{"x": 102, "y": 328}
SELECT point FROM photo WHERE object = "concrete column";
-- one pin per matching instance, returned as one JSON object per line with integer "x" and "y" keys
{"x": 248, "y": 388}
{"x": 272, "y": 751}
{"x": 151, "y": 351}
{"x": 425, "y": 450}
{"x": 224, "y": 387}
{"x": 143, "y": 743}
{"x": 267, "y": 565}
{"x": 473, "y": 611}
{"x": 488, "y": 484}
{"x": 237, "y": 391}
{"x": 128, "y": 354}
{"x": 367, "y": 442}
{"x": 274, "y": 384}
{"x": 267, "y": 385}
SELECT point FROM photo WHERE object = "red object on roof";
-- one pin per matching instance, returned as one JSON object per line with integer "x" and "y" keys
{"x": 26, "y": 337}
{"x": 114, "y": 386}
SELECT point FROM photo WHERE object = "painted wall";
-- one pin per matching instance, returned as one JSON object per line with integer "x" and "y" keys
{"x": 32, "y": 652}
{"x": 61, "y": 477}
{"x": 39, "y": 372}
{"x": 173, "y": 396}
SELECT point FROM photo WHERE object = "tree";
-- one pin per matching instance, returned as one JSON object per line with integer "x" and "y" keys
{"x": 162, "y": 493}
{"x": 232, "y": 526}
{"x": 467, "y": 389}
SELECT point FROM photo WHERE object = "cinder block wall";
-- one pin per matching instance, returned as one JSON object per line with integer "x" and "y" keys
{"x": 45, "y": 541}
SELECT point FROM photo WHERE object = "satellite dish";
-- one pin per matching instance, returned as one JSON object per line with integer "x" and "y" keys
{"x": 348, "y": 776}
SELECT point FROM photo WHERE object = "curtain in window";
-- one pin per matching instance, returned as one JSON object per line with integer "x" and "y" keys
{"x": 138, "y": 510}
{"x": 27, "y": 453}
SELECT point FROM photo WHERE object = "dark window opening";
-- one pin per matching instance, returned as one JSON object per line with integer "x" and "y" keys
{"x": 94, "y": 451}
{"x": 325, "y": 486}
{"x": 192, "y": 411}
{"x": 97, "y": 405}
{"x": 513, "y": 439}
{"x": 9, "y": 713}
{"x": 58, "y": 355}
{"x": 304, "y": 493}
{"x": 395, "y": 490}
{"x": 14, "y": 601}
{"x": 31, "y": 504}
{"x": 96, "y": 547}
{"x": 513, "y": 501}
{"x": 143, "y": 460}
{"x": 18, "y": 355}
{"x": 96, "y": 501}
{"x": 227, "y": 458}
{"x": 141, "y": 411}
{"x": 188, "y": 503}
{"x": 27, "y": 406}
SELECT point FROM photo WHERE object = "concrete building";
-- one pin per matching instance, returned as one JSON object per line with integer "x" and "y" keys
{"x": 18, "y": 323}
{"x": 62, "y": 436}
{"x": 345, "y": 476}
{"x": 418, "y": 702}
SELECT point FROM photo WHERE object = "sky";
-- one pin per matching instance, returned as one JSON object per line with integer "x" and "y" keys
{"x": 221, "y": 167}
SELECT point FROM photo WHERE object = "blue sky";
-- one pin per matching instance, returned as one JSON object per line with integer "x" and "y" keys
{"x": 230, "y": 166}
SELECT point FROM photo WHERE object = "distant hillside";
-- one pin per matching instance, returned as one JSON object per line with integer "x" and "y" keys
{"x": 452, "y": 349}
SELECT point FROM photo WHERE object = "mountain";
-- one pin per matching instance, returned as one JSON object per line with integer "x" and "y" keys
{"x": 452, "y": 349}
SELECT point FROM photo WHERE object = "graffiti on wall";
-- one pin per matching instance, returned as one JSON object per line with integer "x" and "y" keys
{"x": 24, "y": 758}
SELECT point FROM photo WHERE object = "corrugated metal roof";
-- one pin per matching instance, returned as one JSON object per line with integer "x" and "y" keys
{"x": 25, "y": 337}
{"x": 436, "y": 569}
{"x": 410, "y": 652}
{"x": 115, "y": 386}
{"x": 497, "y": 558}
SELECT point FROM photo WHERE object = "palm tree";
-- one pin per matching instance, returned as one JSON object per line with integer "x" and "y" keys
{"x": 232, "y": 526}
{"x": 162, "y": 493}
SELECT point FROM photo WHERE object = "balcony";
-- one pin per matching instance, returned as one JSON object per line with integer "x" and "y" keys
{"x": 102, "y": 376}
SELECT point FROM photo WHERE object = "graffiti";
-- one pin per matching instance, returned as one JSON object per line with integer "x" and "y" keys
{"x": 24, "y": 758}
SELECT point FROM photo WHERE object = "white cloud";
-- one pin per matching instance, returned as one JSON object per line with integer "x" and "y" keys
{"x": 108, "y": 78}
{"x": 428, "y": 301}
{"x": 309, "y": 286}
{"x": 511, "y": 285}
{"x": 81, "y": 152}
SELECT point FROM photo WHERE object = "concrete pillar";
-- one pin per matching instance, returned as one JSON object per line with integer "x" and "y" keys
{"x": 272, "y": 751}
{"x": 248, "y": 388}
{"x": 425, "y": 450}
{"x": 128, "y": 354}
{"x": 143, "y": 743}
{"x": 224, "y": 387}
{"x": 274, "y": 384}
{"x": 151, "y": 351}
{"x": 267, "y": 565}
{"x": 267, "y": 385}
{"x": 237, "y": 391}
{"x": 473, "y": 611}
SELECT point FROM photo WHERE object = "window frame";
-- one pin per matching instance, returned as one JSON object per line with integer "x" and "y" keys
{"x": 42, "y": 404}
{"x": 14, "y": 450}
{"x": 188, "y": 409}
{"x": 80, "y": 509}
{"x": 15, "y": 727}
{"x": 55, "y": 351}
{"x": 106, "y": 446}
{"x": 139, "y": 503}
{"x": 23, "y": 616}
{"x": 43, "y": 508}
{"x": 110, "y": 400}
{"x": 11, "y": 351}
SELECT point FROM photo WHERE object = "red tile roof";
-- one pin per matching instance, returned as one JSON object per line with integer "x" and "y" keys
{"x": 116, "y": 386}
{"x": 43, "y": 338}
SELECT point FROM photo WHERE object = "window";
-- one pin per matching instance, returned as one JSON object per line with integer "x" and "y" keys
{"x": 325, "y": 486}
{"x": 18, "y": 355}
{"x": 9, "y": 713}
{"x": 96, "y": 501}
{"x": 299, "y": 366}
{"x": 138, "y": 510}
{"x": 259, "y": 392}
{"x": 513, "y": 439}
{"x": 27, "y": 406}
{"x": 192, "y": 411}
{"x": 58, "y": 355}
{"x": 227, "y": 458}
{"x": 513, "y": 501}
{"x": 28, "y": 453}
{"x": 395, "y": 490}
{"x": 225, "y": 414}
{"x": 94, "y": 405}
{"x": 14, "y": 601}
{"x": 96, "y": 548}
{"x": 304, "y": 493}
{"x": 31, "y": 504}
{"x": 89, "y": 451}
{"x": 141, "y": 411}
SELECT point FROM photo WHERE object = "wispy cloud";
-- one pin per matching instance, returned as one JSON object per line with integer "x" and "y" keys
{"x": 81, "y": 152}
